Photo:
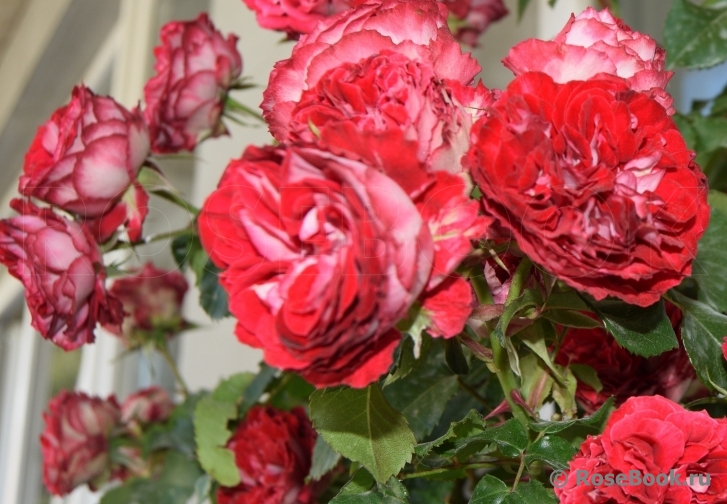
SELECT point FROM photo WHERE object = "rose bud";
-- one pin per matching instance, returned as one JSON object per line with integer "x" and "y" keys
{"x": 593, "y": 44}
{"x": 657, "y": 437}
{"x": 273, "y": 451}
{"x": 62, "y": 270}
{"x": 195, "y": 67}
{"x": 149, "y": 405}
{"x": 75, "y": 441}
{"x": 152, "y": 299}
{"x": 595, "y": 183}
{"x": 322, "y": 257}
{"x": 86, "y": 156}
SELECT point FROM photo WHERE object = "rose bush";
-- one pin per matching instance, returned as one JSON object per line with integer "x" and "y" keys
{"x": 273, "y": 451}
{"x": 61, "y": 268}
{"x": 195, "y": 68}
{"x": 595, "y": 183}
{"x": 656, "y": 436}
{"x": 331, "y": 258}
{"x": 595, "y": 43}
{"x": 75, "y": 441}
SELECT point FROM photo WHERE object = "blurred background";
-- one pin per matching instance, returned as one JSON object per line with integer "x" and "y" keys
{"x": 47, "y": 46}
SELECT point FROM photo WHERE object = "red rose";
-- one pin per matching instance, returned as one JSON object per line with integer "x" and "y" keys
{"x": 149, "y": 405}
{"x": 273, "y": 450}
{"x": 152, "y": 299}
{"x": 62, "y": 270}
{"x": 622, "y": 373}
{"x": 472, "y": 17}
{"x": 294, "y": 18}
{"x": 195, "y": 67}
{"x": 595, "y": 182}
{"x": 322, "y": 256}
{"x": 389, "y": 69}
{"x": 86, "y": 156}
{"x": 591, "y": 45}
{"x": 652, "y": 435}
{"x": 75, "y": 440}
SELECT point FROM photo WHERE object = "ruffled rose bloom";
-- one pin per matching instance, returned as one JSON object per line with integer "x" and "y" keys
{"x": 152, "y": 298}
{"x": 592, "y": 44}
{"x": 273, "y": 451}
{"x": 595, "y": 183}
{"x": 391, "y": 69}
{"x": 149, "y": 405}
{"x": 195, "y": 67}
{"x": 622, "y": 373}
{"x": 322, "y": 256}
{"x": 62, "y": 270}
{"x": 473, "y": 17}
{"x": 75, "y": 441}
{"x": 651, "y": 435}
{"x": 85, "y": 158}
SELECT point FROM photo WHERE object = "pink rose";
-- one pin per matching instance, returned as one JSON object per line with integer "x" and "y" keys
{"x": 75, "y": 441}
{"x": 652, "y": 435}
{"x": 595, "y": 183}
{"x": 273, "y": 451}
{"x": 322, "y": 257}
{"x": 62, "y": 270}
{"x": 473, "y": 17}
{"x": 592, "y": 44}
{"x": 195, "y": 67}
{"x": 86, "y": 156}
{"x": 391, "y": 69}
{"x": 149, "y": 405}
{"x": 152, "y": 299}
{"x": 294, "y": 18}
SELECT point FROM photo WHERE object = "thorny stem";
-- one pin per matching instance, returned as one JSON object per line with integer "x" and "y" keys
{"x": 164, "y": 351}
{"x": 440, "y": 470}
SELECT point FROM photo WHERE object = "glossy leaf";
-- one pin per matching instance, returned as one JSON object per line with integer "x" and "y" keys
{"x": 362, "y": 426}
{"x": 694, "y": 35}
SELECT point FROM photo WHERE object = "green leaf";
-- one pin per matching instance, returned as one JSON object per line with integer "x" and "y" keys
{"x": 709, "y": 267}
{"x": 177, "y": 433}
{"x": 534, "y": 338}
{"x": 212, "y": 297}
{"x": 564, "y": 393}
{"x": 537, "y": 381}
{"x": 325, "y": 458}
{"x": 362, "y": 489}
{"x": 362, "y": 426}
{"x": 702, "y": 332}
{"x": 210, "y": 428}
{"x": 570, "y": 318}
{"x": 424, "y": 491}
{"x": 455, "y": 357}
{"x": 423, "y": 395}
{"x": 521, "y": 6}
{"x": 553, "y": 450}
{"x": 586, "y": 374}
{"x": 257, "y": 387}
{"x": 491, "y": 490}
{"x": 175, "y": 485}
{"x": 531, "y": 298}
{"x": 510, "y": 437}
{"x": 642, "y": 331}
{"x": 596, "y": 420}
{"x": 471, "y": 424}
{"x": 567, "y": 300}
{"x": 533, "y": 492}
{"x": 695, "y": 36}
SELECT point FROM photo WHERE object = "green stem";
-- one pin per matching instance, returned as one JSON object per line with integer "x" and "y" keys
{"x": 472, "y": 392}
{"x": 164, "y": 351}
{"x": 502, "y": 362}
{"x": 519, "y": 472}
{"x": 441, "y": 470}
